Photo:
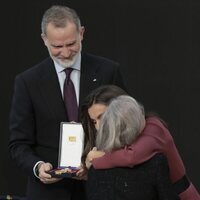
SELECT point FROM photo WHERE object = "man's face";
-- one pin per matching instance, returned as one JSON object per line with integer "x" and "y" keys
{"x": 63, "y": 44}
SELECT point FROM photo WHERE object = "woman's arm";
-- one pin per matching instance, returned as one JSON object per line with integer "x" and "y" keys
{"x": 153, "y": 140}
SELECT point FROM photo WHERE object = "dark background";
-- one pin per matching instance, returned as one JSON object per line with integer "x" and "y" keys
{"x": 157, "y": 43}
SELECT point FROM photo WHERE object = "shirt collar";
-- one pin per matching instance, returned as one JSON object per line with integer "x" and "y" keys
{"x": 77, "y": 65}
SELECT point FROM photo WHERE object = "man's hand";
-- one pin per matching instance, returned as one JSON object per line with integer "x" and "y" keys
{"x": 92, "y": 155}
{"x": 45, "y": 177}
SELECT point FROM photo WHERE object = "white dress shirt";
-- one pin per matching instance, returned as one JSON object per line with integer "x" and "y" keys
{"x": 75, "y": 76}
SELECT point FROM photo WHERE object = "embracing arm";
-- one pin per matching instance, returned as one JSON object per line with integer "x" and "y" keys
{"x": 129, "y": 156}
{"x": 146, "y": 146}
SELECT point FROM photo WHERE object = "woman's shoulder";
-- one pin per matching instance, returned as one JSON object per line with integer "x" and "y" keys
{"x": 154, "y": 122}
{"x": 156, "y": 127}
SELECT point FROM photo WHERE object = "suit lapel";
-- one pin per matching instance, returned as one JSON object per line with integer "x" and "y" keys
{"x": 50, "y": 88}
{"x": 89, "y": 78}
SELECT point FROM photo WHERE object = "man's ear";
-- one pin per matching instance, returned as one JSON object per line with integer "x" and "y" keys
{"x": 82, "y": 31}
{"x": 44, "y": 38}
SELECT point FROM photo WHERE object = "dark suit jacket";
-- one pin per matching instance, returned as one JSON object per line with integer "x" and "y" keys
{"x": 37, "y": 111}
{"x": 147, "y": 181}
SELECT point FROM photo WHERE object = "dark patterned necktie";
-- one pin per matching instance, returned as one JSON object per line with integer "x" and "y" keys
{"x": 70, "y": 97}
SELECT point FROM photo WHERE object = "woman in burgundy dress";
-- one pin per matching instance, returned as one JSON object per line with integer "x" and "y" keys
{"x": 154, "y": 138}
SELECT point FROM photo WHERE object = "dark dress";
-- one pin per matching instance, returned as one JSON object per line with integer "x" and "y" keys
{"x": 147, "y": 181}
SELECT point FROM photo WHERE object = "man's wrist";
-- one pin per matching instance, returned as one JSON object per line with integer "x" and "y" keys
{"x": 36, "y": 168}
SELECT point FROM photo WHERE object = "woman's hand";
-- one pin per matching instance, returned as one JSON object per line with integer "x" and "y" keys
{"x": 81, "y": 174}
{"x": 92, "y": 155}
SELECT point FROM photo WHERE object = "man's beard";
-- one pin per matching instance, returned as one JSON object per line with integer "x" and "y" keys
{"x": 66, "y": 62}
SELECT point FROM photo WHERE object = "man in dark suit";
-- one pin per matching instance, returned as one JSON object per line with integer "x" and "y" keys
{"x": 38, "y": 107}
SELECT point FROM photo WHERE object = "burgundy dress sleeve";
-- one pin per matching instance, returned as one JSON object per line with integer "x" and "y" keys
{"x": 152, "y": 140}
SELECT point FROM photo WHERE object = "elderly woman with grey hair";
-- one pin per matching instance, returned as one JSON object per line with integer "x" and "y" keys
{"x": 120, "y": 126}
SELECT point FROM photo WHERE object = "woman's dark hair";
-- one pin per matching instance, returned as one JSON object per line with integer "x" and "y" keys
{"x": 102, "y": 95}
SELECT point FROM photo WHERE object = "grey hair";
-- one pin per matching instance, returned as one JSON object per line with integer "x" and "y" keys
{"x": 59, "y": 16}
{"x": 120, "y": 124}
